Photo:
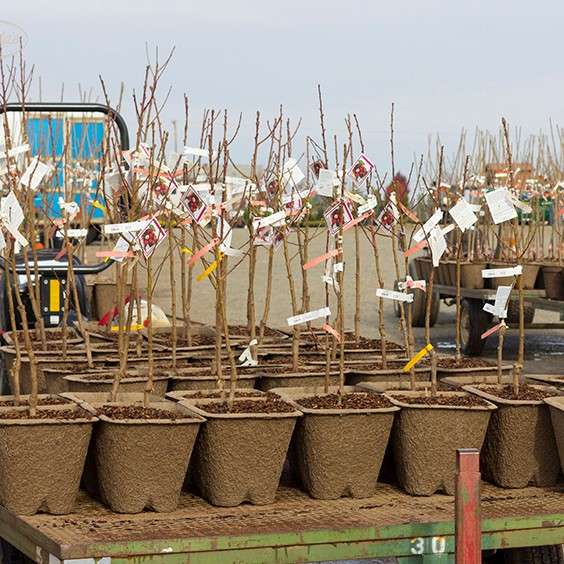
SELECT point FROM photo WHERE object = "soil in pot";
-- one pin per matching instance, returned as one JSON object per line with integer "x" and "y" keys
{"x": 103, "y": 382}
{"x": 427, "y": 432}
{"x": 53, "y": 338}
{"x": 340, "y": 441}
{"x": 553, "y": 276}
{"x": 469, "y": 366}
{"x": 240, "y": 452}
{"x": 140, "y": 452}
{"x": 41, "y": 458}
{"x": 556, "y": 407}
{"x": 520, "y": 447}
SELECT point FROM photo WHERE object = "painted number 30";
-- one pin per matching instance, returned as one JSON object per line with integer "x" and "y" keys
{"x": 437, "y": 545}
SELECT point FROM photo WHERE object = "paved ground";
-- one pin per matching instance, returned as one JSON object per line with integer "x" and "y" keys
{"x": 544, "y": 349}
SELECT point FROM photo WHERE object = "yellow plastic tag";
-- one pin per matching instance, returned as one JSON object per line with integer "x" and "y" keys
{"x": 134, "y": 327}
{"x": 186, "y": 250}
{"x": 426, "y": 349}
{"x": 209, "y": 269}
{"x": 98, "y": 205}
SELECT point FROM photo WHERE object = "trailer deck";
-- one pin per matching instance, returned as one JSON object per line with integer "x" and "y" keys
{"x": 294, "y": 528}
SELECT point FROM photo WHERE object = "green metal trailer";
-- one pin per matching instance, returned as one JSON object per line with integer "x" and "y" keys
{"x": 295, "y": 528}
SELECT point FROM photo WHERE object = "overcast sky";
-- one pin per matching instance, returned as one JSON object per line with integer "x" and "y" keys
{"x": 447, "y": 64}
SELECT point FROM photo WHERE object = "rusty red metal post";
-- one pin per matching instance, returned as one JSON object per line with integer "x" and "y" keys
{"x": 467, "y": 507}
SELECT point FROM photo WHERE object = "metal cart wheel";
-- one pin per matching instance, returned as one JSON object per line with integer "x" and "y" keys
{"x": 513, "y": 312}
{"x": 474, "y": 321}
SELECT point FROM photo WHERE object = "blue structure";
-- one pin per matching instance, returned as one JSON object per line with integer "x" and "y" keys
{"x": 47, "y": 139}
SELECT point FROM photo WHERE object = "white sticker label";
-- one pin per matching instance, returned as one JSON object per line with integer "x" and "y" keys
{"x": 393, "y": 295}
{"x": 309, "y": 316}
{"x": 74, "y": 233}
{"x": 502, "y": 272}
{"x": 129, "y": 227}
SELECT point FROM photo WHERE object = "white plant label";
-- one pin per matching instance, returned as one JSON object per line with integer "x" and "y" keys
{"x": 15, "y": 151}
{"x": 309, "y": 316}
{"x": 338, "y": 267}
{"x": 12, "y": 216}
{"x": 73, "y": 233}
{"x": 499, "y": 307}
{"x": 326, "y": 182}
{"x": 195, "y": 152}
{"x": 34, "y": 174}
{"x": 122, "y": 246}
{"x": 502, "y": 272}
{"x": 393, "y": 295}
{"x": 371, "y": 203}
{"x": 463, "y": 214}
{"x": 428, "y": 226}
{"x": 246, "y": 358}
{"x": 292, "y": 174}
{"x": 129, "y": 227}
{"x": 272, "y": 219}
{"x": 499, "y": 203}
{"x": 437, "y": 244}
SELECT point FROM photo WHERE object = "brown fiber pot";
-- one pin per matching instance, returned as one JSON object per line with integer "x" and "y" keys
{"x": 141, "y": 463}
{"x": 388, "y": 385}
{"x": 296, "y": 379}
{"x": 553, "y": 277}
{"x": 556, "y": 406}
{"x": 239, "y": 456}
{"x": 41, "y": 461}
{"x": 198, "y": 395}
{"x": 476, "y": 372}
{"x": 425, "y": 439}
{"x": 553, "y": 282}
{"x": 82, "y": 383}
{"x": 339, "y": 452}
{"x": 548, "y": 379}
{"x": 520, "y": 447}
{"x": 471, "y": 275}
{"x": 187, "y": 381}
{"x": 458, "y": 381}
{"x": 356, "y": 376}
{"x": 530, "y": 272}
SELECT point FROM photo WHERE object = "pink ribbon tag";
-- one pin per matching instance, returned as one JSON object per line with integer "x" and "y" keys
{"x": 334, "y": 332}
{"x": 416, "y": 248}
{"x": 203, "y": 251}
{"x": 317, "y": 260}
{"x": 357, "y": 220}
{"x": 492, "y": 330}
